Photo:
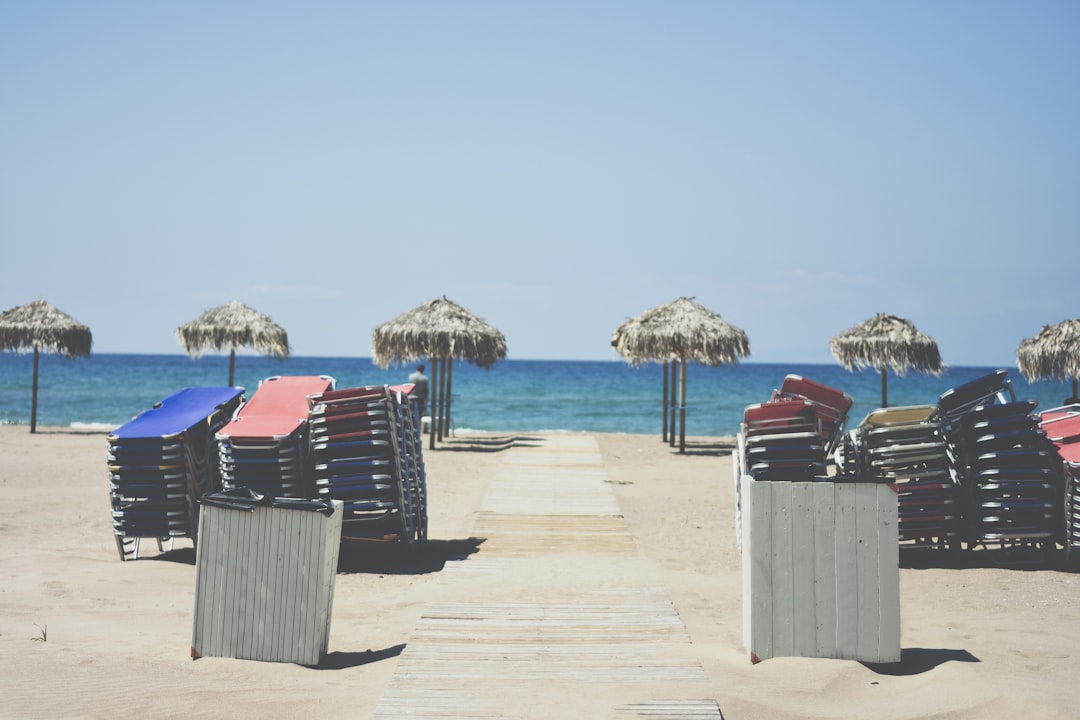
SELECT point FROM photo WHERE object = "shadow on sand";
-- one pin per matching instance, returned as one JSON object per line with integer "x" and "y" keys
{"x": 400, "y": 559}
{"x": 183, "y": 556}
{"x": 343, "y": 660}
{"x": 1020, "y": 558}
{"x": 486, "y": 443}
{"x": 715, "y": 447}
{"x": 915, "y": 661}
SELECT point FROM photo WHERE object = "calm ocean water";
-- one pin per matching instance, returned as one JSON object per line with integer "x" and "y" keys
{"x": 106, "y": 390}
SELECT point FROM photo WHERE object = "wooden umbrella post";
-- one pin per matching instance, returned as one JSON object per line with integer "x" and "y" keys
{"x": 672, "y": 407}
{"x": 884, "y": 384}
{"x": 449, "y": 395}
{"x": 682, "y": 405}
{"x": 433, "y": 401}
{"x": 682, "y": 430}
{"x": 232, "y": 367}
{"x": 663, "y": 407}
{"x": 33, "y": 401}
{"x": 442, "y": 396}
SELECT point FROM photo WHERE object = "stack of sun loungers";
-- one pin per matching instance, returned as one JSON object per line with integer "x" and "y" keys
{"x": 1011, "y": 485}
{"x": 265, "y": 446}
{"x": 367, "y": 453}
{"x": 831, "y": 406}
{"x": 162, "y": 462}
{"x": 791, "y": 436}
{"x": 1062, "y": 428}
{"x": 905, "y": 447}
{"x": 782, "y": 440}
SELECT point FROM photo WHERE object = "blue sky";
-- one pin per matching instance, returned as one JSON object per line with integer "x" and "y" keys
{"x": 555, "y": 167}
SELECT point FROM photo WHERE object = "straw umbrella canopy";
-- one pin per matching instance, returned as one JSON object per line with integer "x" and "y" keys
{"x": 441, "y": 330}
{"x": 231, "y": 326}
{"x": 1053, "y": 354}
{"x": 41, "y": 327}
{"x": 680, "y": 331}
{"x": 886, "y": 342}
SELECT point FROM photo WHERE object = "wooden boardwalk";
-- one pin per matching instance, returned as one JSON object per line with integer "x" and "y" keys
{"x": 571, "y": 645}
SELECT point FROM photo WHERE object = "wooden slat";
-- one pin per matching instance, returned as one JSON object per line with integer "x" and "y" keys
{"x": 673, "y": 709}
{"x": 783, "y": 588}
{"x": 824, "y": 570}
{"x": 867, "y": 555}
{"x": 845, "y": 554}
{"x": 803, "y": 561}
{"x": 532, "y": 535}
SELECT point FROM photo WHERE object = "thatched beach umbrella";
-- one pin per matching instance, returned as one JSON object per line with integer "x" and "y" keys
{"x": 230, "y": 326}
{"x": 40, "y": 326}
{"x": 1053, "y": 354}
{"x": 680, "y": 331}
{"x": 886, "y": 342}
{"x": 442, "y": 331}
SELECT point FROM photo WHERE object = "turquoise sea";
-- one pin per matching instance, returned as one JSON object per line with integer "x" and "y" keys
{"x": 106, "y": 390}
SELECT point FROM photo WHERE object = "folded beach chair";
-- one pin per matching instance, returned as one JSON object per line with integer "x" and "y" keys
{"x": 367, "y": 452}
{"x": 161, "y": 462}
{"x": 265, "y": 446}
{"x": 985, "y": 390}
{"x": 905, "y": 446}
{"x": 1061, "y": 426}
{"x": 782, "y": 440}
{"x": 1012, "y": 495}
{"x": 831, "y": 406}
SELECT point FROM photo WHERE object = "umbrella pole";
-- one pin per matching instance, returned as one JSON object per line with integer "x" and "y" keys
{"x": 232, "y": 366}
{"x": 884, "y": 384}
{"x": 449, "y": 392}
{"x": 433, "y": 401}
{"x": 34, "y": 401}
{"x": 671, "y": 407}
{"x": 682, "y": 407}
{"x": 1074, "y": 389}
{"x": 442, "y": 396}
{"x": 663, "y": 407}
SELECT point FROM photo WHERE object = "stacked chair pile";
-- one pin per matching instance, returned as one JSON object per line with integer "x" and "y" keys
{"x": 161, "y": 463}
{"x": 367, "y": 452}
{"x": 781, "y": 440}
{"x": 905, "y": 446}
{"x": 1012, "y": 489}
{"x": 1062, "y": 428}
{"x": 790, "y": 436}
{"x": 831, "y": 406}
{"x": 265, "y": 446}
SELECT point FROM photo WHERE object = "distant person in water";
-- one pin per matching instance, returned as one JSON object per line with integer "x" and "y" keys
{"x": 420, "y": 391}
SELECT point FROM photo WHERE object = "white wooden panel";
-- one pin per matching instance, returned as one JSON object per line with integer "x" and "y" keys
{"x": 867, "y": 559}
{"x": 820, "y": 570}
{"x": 264, "y": 583}
{"x": 824, "y": 569}
{"x": 783, "y": 587}
{"x": 845, "y": 555}
{"x": 889, "y": 576}
{"x": 803, "y": 561}
{"x": 758, "y": 596}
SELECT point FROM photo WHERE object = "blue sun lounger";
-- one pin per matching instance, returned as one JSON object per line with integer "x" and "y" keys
{"x": 162, "y": 461}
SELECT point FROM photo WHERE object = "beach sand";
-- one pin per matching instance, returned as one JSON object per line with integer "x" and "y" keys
{"x": 83, "y": 634}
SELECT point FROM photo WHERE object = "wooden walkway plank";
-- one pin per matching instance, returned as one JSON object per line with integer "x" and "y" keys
{"x": 464, "y": 659}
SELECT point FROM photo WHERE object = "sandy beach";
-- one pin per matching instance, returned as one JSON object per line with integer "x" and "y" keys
{"x": 630, "y": 607}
